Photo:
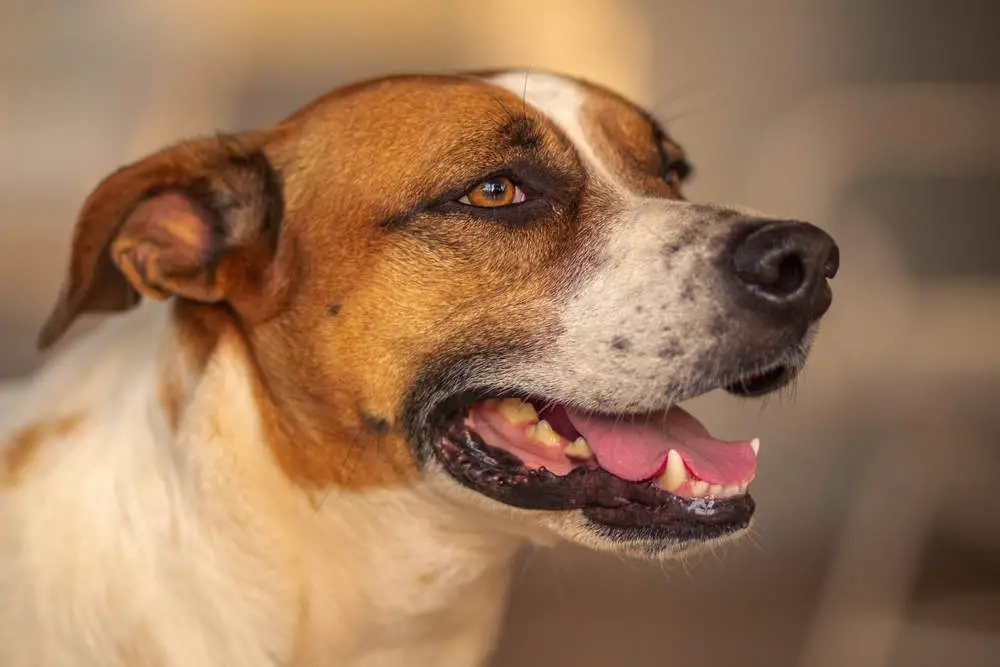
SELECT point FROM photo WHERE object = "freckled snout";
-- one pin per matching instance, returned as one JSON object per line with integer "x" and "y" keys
{"x": 787, "y": 265}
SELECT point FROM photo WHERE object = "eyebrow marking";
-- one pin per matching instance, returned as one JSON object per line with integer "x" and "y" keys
{"x": 560, "y": 100}
{"x": 522, "y": 132}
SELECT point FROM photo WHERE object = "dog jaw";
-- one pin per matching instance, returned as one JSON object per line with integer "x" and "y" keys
{"x": 272, "y": 440}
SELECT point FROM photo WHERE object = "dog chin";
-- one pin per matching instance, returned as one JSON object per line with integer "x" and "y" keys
{"x": 548, "y": 528}
{"x": 576, "y": 528}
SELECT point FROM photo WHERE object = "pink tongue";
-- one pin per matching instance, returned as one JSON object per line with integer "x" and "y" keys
{"x": 639, "y": 451}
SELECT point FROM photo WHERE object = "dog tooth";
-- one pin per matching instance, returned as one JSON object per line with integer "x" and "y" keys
{"x": 517, "y": 411}
{"x": 730, "y": 491}
{"x": 715, "y": 490}
{"x": 744, "y": 486}
{"x": 699, "y": 488}
{"x": 542, "y": 432}
{"x": 675, "y": 473}
{"x": 755, "y": 445}
{"x": 579, "y": 449}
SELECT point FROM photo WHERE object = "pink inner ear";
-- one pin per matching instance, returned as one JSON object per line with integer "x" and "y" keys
{"x": 167, "y": 246}
{"x": 167, "y": 243}
{"x": 176, "y": 220}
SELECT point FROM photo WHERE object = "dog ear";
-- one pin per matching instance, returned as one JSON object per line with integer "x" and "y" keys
{"x": 196, "y": 221}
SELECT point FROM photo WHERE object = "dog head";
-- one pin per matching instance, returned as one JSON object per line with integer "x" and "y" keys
{"x": 489, "y": 284}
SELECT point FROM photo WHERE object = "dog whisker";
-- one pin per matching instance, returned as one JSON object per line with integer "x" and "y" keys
{"x": 515, "y": 293}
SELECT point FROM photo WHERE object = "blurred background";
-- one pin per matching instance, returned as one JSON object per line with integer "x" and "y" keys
{"x": 878, "y": 539}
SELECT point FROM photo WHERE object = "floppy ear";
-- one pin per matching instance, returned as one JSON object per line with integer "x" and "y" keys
{"x": 197, "y": 221}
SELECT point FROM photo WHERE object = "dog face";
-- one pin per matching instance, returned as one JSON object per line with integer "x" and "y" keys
{"x": 487, "y": 284}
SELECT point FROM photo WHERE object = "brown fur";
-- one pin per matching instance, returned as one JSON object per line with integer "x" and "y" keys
{"x": 626, "y": 143}
{"x": 22, "y": 448}
{"x": 256, "y": 480}
{"x": 171, "y": 396}
{"x": 407, "y": 285}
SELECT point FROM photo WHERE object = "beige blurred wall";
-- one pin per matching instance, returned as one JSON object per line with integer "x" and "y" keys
{"x": 876, "y": 542}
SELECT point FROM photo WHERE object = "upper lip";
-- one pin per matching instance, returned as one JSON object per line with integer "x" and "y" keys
{"x": 449, "y": 407}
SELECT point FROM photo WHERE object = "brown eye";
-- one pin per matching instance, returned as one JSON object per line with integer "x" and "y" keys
{"x": 493, "y": 193}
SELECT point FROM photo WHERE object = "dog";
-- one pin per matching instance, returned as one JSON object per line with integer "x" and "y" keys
{"x": 351, "y": 363}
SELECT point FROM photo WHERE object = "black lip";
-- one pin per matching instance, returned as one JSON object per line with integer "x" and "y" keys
{"x": 761, "y": 384}
{"x": 639, "y": 509}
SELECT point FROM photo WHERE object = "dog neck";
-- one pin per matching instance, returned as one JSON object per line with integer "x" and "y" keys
{"x": 309, "y": 574}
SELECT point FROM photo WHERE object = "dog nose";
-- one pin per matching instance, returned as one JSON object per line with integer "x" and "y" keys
{"x": 787, "y": 264}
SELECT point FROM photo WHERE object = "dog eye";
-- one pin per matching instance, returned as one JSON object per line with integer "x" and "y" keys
{"x": 676, "y": 173}
{"x": 494, "y": 193}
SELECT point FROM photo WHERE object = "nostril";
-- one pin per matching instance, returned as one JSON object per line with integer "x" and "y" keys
{"x": 791, "y": 274}
{"x": 786, "y": 262}
{"x": 779, "y": 272}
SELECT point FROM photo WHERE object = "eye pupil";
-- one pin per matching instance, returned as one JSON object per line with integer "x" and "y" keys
{"x": 495, "y": 189}
{"x": 494, "y": 193}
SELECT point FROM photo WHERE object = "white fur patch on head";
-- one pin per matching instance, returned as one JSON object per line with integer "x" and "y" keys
{"x": 561, "y": 100}
{"x": 648, "y": 325}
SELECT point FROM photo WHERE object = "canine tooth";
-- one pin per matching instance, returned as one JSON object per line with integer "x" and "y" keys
{"x": 755, "y": 445}
{"x": 675, "y": 473}
{"x": 542, "y": 432}
{"x": 744, "y": 486}
{"x": 699, "y": 488}
{"x": 730, "y": 491}
{"x": 579, "y": 449}
{"x": 517, "y": 411}
{"x": 715, "y": 490}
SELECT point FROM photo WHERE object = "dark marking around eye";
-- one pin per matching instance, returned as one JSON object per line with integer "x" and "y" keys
{"x": 399, "y": 219}
{"x": 680, "y": 166}
{"x": 620, "y": 343}
{"x": 522, "y": 132}
{"x": 545, "y": 186}
{"x": 379, "y": 425}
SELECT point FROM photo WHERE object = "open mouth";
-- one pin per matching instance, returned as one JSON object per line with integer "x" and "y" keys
{"x": 655, "y": 475}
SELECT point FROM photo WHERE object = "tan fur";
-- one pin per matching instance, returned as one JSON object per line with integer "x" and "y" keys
{"x": 623, "y": 140}
{"x": 390, "y": 309}
{"x": 22, "y": 447}
{"x": 236, "y": 474}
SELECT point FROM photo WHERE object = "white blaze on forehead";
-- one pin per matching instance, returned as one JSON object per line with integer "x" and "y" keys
{"x": 561, "y": 100}
{"x": 642, "y": 327}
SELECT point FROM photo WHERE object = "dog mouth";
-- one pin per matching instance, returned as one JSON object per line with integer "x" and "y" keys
{"x": 652, "y": 475}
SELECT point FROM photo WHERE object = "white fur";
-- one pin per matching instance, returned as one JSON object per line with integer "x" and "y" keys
{"x": 561, "y": 100}
{"x": 124, "y": 545}
{"x": 656, "y": 300}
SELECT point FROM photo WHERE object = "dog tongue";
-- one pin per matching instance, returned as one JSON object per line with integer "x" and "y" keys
{"x": 638, "y": 452}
